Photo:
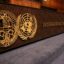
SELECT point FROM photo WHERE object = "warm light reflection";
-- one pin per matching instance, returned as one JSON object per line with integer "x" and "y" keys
{"x": 45, "y": 0}
{"x": 26, "y": 3}
{"x": 56, "y": 4}
{"x": 53, "y": 4}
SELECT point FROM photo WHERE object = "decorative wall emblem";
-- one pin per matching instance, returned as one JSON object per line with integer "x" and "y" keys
{"x": 27, "y": 26}
{"x": 8, "y": 28}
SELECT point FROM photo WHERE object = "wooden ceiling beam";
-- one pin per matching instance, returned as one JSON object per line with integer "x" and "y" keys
{"x": 26, "y": 3}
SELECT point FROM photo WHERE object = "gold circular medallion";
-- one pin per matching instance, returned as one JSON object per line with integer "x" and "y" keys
{"x": 8, "y": 28}
{"x": 27, "y": 26}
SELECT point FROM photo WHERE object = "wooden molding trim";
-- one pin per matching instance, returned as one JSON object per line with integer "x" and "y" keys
{"x": 53, "y": 4}
{"x": 26, "y": 3}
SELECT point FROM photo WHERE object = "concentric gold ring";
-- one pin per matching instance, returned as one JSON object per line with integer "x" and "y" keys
{"x": 27, "y": 26}
{"x": 8, "y": 28}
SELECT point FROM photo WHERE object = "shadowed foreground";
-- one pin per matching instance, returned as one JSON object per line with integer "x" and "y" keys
{"x": 43, "y": 52}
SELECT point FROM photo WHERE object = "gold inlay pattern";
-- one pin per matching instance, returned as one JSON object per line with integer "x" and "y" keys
{"x": 24, "y": 26}
{"x": 27, "y": 26}
{"x": 8, "y": 33}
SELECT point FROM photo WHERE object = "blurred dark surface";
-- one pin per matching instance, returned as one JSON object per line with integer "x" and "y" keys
{"x": 48, "y": 51}
{"x": 55, "y": 4}
{"x": 4, "y": 1}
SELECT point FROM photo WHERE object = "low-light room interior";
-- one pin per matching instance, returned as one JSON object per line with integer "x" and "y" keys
{"x": 31, "y": 31}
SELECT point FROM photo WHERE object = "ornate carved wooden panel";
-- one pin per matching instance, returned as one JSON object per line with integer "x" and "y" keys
{"x": 56, "y": 4}
{"x": 23, "y": 25}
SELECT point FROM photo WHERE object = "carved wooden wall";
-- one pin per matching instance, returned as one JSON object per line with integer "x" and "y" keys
{"x": 29, "y": 3}
{"x": 56, "y": 4}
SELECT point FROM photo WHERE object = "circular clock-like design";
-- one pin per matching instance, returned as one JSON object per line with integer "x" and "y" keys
{"x": 8, "y": 28}
{"x": 27, "y": 26}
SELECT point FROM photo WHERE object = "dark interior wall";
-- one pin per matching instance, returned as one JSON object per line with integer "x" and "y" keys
{"x": 1, "y": 1}
{"x": 55, "y": 4}
{"x": 4, "y": 1}
{"x": 47, "y": 23}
